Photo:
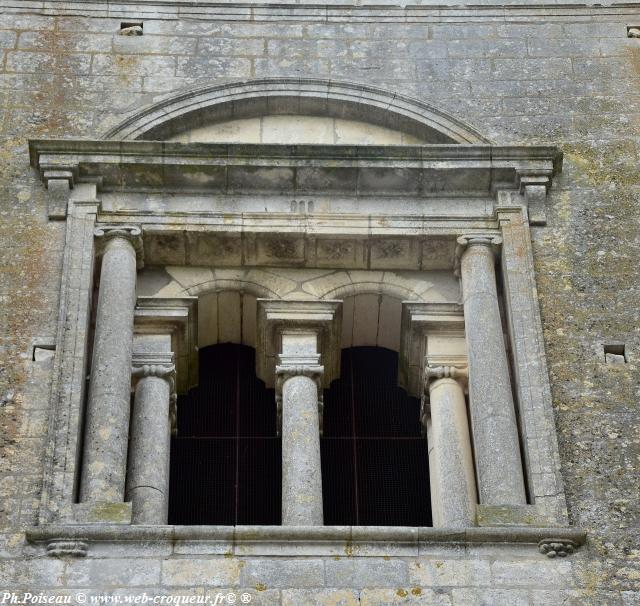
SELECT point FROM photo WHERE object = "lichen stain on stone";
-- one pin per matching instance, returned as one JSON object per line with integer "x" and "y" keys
{"x": 22, "y": 268}
{"x": 261, "y": 587}
{"x": 403, "y": 593}
{"x": 634, "y": 56}
{"x": 604, "y": 164}
{"x": 416, "y": 591}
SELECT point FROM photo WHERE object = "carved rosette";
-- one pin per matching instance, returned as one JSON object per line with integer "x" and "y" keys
{"x": 560, "y": 548}
{"x": 285, "y": 372}
{"x": 435, "y": 372}
{"x": 132, "y": 233}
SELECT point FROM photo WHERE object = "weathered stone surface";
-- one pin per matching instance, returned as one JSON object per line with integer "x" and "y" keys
{"x": 189, "y": 571}
{"x": 270, "y": 573}
{"x": 543, "y": 74}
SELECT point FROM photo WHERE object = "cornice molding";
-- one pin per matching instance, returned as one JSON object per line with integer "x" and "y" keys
{"x": 353, "y": 170}
{"x": 310, "y": 10}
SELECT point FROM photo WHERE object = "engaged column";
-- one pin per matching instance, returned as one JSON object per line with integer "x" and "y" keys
{"x": 107, "y": 423}
{"x": 493, "y": 420}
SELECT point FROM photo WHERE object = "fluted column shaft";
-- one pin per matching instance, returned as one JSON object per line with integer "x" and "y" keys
{"x": 301, "y": 466}
{"x": 451, "y": 473}
{"x": 493, "y": 420}
{"x": 107, "y": 422}
{"x": 149, "y": 448}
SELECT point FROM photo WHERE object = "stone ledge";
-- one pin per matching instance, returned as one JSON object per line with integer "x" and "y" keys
{"x": 308, "y": 540}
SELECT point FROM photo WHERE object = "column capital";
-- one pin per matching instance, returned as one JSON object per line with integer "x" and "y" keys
{"x": 435, "y": 371}
{"x": 492, "y": 241}
{"x": 157, "y": 364}
{"x": 487, "y": 239}
{"x": 131, "y": 233}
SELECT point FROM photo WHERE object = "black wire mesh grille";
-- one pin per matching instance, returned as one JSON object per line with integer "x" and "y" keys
{"x": 374, "y": 461}
{"x": 226, "y": 462}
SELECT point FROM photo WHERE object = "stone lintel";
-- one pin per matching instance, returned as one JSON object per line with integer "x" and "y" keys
{"x": 511, "y": 515}
{"x": 441, "y": 325}
{"x": 277, "y": 317}
{"x": 175, "y": 319}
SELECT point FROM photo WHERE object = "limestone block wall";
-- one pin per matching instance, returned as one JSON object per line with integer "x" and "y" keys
{"x": 566, "y": 76}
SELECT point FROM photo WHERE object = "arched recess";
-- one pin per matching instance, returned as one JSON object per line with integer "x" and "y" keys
{"x": 294, "y": 96}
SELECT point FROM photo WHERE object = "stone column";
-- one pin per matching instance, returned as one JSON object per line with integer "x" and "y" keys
{"x": 149, "y": 447}
{"x": 452, "y": 478}
{"x": 108, "y": 405}
{"x": 493, "y": 420}
{"x": 298, "y": 389}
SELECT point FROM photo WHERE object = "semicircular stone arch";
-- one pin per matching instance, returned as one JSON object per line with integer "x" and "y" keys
{"x": 345, "y": 101}
{"x": 227, "y": 298}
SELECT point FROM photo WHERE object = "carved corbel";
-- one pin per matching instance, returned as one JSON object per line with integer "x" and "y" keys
{"x": 534, "y": 188}
{"x": 59, "y": 184}
{"x": 61, "y": 548}
{"x": 560, "y": 548}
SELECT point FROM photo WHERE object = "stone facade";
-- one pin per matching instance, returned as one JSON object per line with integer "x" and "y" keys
{"x": 564, "y": 76}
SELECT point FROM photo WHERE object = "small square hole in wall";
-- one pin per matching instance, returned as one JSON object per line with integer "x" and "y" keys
{"x": 633, "y": 31}
{"x": 614, "y": 353}
{"x": 131, "y": 28}
{"x": 42, "y": 352}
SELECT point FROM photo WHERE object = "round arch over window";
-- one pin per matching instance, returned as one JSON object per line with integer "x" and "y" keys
{"x": 294, "y": 96}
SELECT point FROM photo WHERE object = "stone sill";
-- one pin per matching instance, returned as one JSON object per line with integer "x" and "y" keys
{"x": 75, "y": 540}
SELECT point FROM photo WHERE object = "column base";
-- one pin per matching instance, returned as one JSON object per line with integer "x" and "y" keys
{"x": 98, "y": 512}
{"x": 511, "y": 515}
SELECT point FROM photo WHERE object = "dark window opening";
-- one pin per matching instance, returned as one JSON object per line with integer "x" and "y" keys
{"x": 226, "y": 459}
{"x": 375, "y": 466}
